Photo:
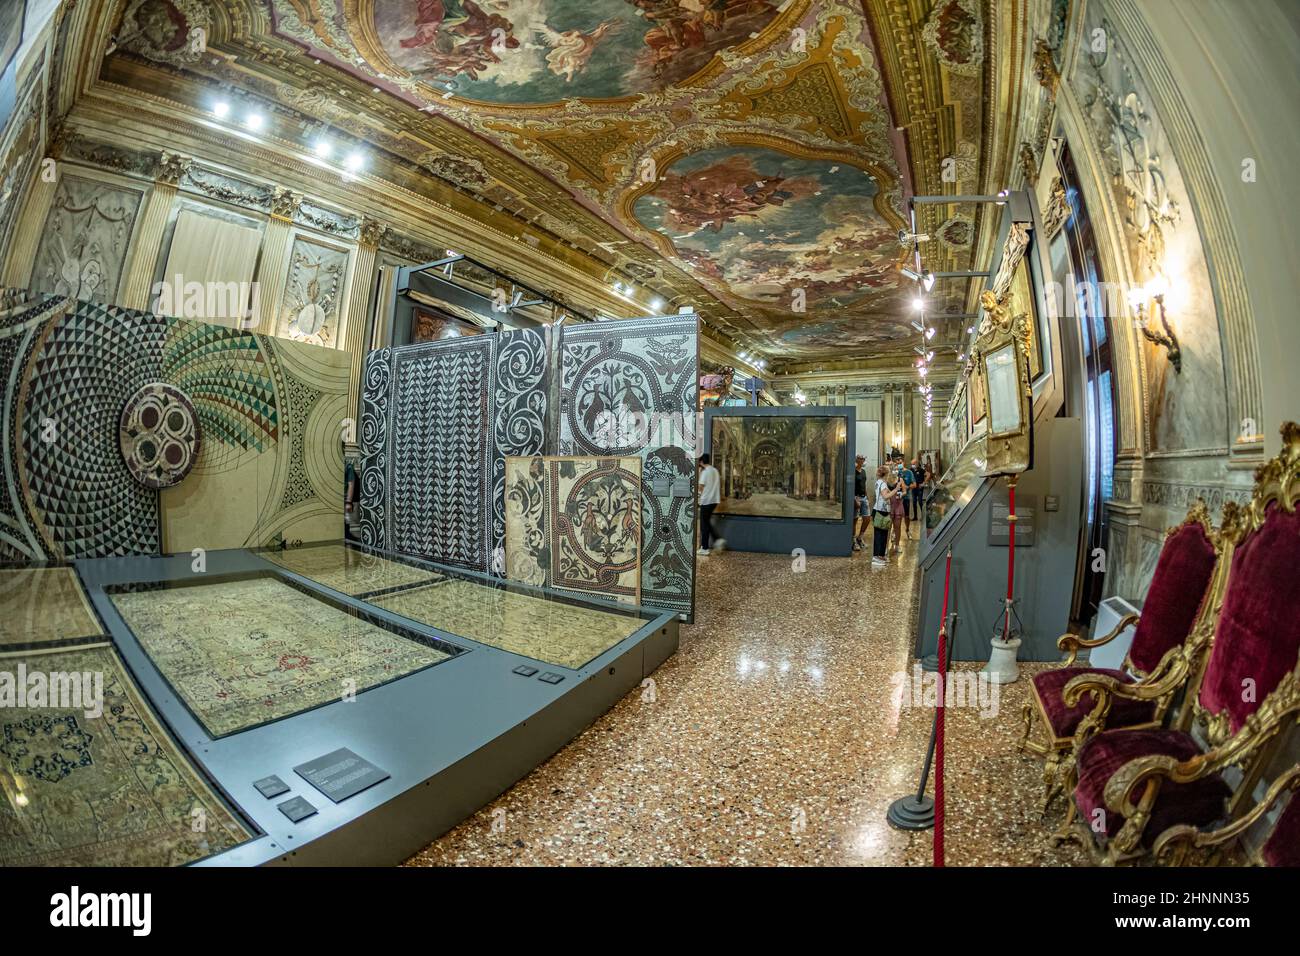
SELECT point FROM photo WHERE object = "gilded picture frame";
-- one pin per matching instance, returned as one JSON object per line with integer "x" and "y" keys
{"x": 1002, "y": 359}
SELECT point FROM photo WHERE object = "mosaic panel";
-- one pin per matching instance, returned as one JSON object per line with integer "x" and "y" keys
{"x": 593, "y": 518}
{"x": 631, "y": 388}
{"x": 528, "y": 559}
{"x": 269, "y": 467}
{"x": 437, "y": 422}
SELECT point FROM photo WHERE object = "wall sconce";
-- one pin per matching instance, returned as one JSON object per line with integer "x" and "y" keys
{"x": 1155, "y": 290}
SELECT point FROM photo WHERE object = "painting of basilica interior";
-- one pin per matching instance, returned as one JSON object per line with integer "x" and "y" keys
{"x": 781, "y": 467}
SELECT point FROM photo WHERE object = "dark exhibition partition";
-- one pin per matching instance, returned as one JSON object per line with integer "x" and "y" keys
{"x": 793, "y": 473}
{"x": 439, "y": 418}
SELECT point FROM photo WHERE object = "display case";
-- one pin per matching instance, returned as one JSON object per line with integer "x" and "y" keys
{"x": 317, "y": 705}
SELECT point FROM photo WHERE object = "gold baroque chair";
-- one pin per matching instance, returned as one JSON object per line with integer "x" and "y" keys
{"x": 1185, "y": 845}
{"x": 1134, "y": 786}
{"x": 1175, "y": 597}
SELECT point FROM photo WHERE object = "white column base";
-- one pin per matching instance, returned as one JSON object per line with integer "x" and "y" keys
{"x": 1002, "y": 667}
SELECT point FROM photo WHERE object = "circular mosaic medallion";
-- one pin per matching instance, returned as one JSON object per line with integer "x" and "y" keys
{"x": 159, "y": 435}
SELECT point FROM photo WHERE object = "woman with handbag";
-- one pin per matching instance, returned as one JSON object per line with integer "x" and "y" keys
{"x": 881, "y": 522}
{"x": 897, "y": 507}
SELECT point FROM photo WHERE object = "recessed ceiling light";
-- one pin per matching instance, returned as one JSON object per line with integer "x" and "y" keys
{"x": 254, "y": 121}
{"x": 354, "y": 162}
{"x": 221, "y": 108}
{"x": 657, "y": 304}
{"x": 322, "y": 148}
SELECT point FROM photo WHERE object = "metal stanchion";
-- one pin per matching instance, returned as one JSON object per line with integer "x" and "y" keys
{"x": 917, "y": 811}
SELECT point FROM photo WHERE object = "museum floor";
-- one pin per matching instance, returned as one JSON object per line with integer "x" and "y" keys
{"x": 777, "y": 707}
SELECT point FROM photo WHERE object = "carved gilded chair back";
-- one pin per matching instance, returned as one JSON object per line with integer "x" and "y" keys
{"x": 1190, "y": 560}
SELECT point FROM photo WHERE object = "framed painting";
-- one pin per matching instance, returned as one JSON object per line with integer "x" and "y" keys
{"x": 781, "y": 466}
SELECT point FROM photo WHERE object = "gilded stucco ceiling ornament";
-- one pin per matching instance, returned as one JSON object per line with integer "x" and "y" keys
{"x": 954, "y": 31}
{"x": 464, "y": 171}
{"x": 1045, "y": 69}
{"x": 957, "y": 232}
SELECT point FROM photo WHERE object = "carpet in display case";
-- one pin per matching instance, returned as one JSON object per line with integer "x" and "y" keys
{"x": 545, "y": 629}
{"x": 349, "y": 570}
{"x": 632, "y": 388}
{"x": 438, "y": 420}
{"x": 245, "y": 651}
{"x": 42, "y": 606}
{"x": 105, "y": 790}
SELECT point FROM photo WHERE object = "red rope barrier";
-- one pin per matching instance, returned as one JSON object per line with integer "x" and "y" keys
{"x": 938, "y": 727}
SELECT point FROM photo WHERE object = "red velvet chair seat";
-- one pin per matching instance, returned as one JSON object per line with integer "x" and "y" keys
{"x": 1199, "y": 803}
{"x": 1050, "y": 687}
{"x": 1282, "y": 848}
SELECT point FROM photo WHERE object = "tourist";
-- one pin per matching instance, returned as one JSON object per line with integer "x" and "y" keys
{"x": 897, "y": 509}
{"x": 918, "y": 488}
{"x": 710, "y": 495}
{"x": 881, "y": 521}
{"x": 861, "y": 509}
{"x": 907, "y": 485}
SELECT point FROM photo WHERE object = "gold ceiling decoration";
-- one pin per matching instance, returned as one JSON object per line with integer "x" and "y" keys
{"x": 749, "y": 157}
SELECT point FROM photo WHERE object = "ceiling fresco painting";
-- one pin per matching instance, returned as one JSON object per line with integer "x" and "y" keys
{"x": 782, "y": 137}
{"x": 539, "y": 51}
{"x": 797, "y": 237}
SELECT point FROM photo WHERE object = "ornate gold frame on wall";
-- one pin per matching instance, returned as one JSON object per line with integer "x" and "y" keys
{"x": 1010, "y": 451}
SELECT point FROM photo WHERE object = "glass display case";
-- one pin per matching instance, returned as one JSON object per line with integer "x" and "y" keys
{"x": 242, "y": 650}
{"x": 513, "y": 617}
{"x": 155, "y": 713}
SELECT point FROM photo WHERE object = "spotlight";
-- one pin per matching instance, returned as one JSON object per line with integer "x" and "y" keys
{"x": 919, "y": 327}
{"x": 254, "y": 121}
{"x": 354, "y": 162}
{"x": 911, "y": 274}
{"x": 929, "y": 333}
{"x": 918, "y": 303}
{"x": 927, "y": 281}
{"x": 322, "y": 149}
{"x": 657, "y": 304}
{"x": 451, "y": 253}
{"x": 221, "y": 109}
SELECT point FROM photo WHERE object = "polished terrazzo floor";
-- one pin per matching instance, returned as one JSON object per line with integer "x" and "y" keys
{"x": 774, "y": 736}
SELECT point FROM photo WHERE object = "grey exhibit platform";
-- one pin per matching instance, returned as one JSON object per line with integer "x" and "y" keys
{"x": 372, "y": 776}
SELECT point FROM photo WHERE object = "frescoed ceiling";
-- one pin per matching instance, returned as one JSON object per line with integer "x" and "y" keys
{"x": 748, "y": 157}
